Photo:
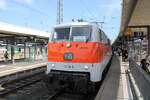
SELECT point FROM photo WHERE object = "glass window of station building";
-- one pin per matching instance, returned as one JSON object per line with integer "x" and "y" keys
{"x": 23, "y": 50}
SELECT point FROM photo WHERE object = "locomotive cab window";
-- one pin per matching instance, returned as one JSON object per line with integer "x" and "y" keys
{"x": 74, "y": 34}
{"x": 61, "y": 34}
{"x": 100, "y": 35}
{"x": 109, "y": 42}
{"x": 81, "y": 34}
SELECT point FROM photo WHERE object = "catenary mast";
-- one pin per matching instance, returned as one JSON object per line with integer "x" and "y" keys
{"x": 59, "y": 11}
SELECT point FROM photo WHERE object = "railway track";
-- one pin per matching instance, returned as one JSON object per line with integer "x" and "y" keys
{"x": 61, "y": 94}
{"x": 66, "y": 96}
{"x": 14, "y": 85}
{"x": 32, "y": 88}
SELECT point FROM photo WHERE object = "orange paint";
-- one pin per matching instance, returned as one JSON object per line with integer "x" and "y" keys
{"x": 90, "y": 52}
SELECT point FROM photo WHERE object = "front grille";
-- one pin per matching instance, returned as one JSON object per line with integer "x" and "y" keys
{"x": 69, "y": 76}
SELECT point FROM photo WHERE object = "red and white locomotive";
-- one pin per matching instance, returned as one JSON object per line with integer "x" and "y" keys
{"x": 78, "y": 54}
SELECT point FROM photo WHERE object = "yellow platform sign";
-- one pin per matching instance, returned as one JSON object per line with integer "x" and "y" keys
{"x": 128, "y": 31}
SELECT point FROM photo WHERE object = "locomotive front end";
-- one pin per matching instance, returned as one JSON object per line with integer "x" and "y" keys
{"x": 74, "y": 56}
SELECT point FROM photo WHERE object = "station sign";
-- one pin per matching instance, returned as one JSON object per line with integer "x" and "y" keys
{"x": 138, "y": 34}
{"x": 128, "y": 31}
{"x": 134, "y": 36}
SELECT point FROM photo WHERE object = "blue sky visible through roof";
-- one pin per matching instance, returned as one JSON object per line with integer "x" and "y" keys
{"x": 41, "y": 14}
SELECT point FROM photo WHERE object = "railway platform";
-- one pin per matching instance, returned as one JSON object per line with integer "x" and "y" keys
{"x": 116, "y": 85}
{"x": 21, "y": 66}
{"x": 21, "y": 69}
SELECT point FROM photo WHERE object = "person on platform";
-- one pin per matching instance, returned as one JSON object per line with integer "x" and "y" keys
{"x": 124, "y": 54}
{"x": 6, "y": 56}
{"x": 119, "y": 51}
{"x": 145, "y": 64}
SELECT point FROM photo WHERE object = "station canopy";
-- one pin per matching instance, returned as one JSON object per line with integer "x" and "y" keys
{"x": 12, "y": 30}
{"x": 135, "y": 15}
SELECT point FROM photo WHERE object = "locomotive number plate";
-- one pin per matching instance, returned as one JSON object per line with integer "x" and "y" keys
{"x": 68, "y": 56}
{"x": 68, "y": 66}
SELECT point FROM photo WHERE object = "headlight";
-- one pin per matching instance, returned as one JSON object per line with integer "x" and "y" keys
{"x": 68, "y": 45}
{"x": 86, "y": 67}
{"x": 53, "y": 65}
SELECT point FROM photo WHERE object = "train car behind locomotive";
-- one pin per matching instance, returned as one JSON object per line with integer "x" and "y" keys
{"x": 78, "y": 54}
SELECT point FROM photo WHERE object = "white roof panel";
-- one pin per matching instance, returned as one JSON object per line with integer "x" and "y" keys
{"x": 73, "y": 24}
{"x": 12, "y": 29}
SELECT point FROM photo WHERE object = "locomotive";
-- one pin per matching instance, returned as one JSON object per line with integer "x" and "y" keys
{"x": 78, "y": 53}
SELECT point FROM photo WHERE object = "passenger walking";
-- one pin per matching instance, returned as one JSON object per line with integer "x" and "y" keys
{"x": 124, "y": 54}
{"x": 6, "y": 56}
{"x": 145, "y": 64}
{"x": 119, "y": 51}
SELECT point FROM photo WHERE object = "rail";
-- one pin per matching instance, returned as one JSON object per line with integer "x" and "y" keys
{"x": 56, "y": 94}
{"x": 62, "y": 94}
{"x": 140, "y": 81}
{"x": 14, "y": 85}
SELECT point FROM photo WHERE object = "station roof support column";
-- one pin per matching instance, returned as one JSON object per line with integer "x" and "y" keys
{"x": 24, "y": 49}
{"x": 12, "y": 50}
{"x": 148, "y": 32}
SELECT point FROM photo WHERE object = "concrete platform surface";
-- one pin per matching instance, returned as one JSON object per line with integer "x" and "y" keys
{"x": 116, "y": 85}
{"x": 22, "y": 66}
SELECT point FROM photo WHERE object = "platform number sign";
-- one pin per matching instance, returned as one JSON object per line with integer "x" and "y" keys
{"x": 138, "y": 34}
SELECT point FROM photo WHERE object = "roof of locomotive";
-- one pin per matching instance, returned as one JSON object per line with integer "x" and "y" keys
{"x": 75, "y": 24}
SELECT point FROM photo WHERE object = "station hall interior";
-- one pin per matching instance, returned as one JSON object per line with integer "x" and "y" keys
{"x": 69, "y": 61}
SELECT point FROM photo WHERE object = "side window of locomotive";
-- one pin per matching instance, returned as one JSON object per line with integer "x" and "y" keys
{"x": 109, "y": 42}
{"x": 61, "y": 34}
{"x": 81, "y": 34}
{"x": 105, "y": 41}
{"x": 102, "y": 39}
{"x": 100, "y": 35}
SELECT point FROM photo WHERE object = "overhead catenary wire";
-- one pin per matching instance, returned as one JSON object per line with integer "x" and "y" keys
{"x": 31, "y": 8}
{"x": 41, "y": 13}
{"x": 88, "y": 9}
